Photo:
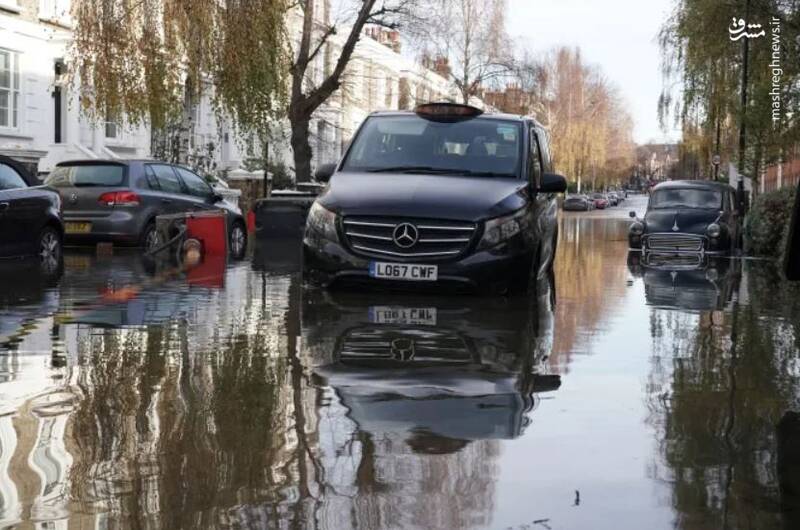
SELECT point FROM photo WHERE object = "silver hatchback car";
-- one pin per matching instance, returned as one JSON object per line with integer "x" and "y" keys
{"x": 118, "y": 200}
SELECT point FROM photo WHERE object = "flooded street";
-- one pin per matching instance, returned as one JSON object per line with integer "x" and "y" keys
{"x": 618, "y": 395}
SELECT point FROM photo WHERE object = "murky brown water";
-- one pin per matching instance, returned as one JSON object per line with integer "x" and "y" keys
{"x": 618, "y": 396}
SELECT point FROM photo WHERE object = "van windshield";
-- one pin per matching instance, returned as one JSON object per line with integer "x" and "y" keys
{"x": 86, "y": 175}
{"x": 473, "y": 147}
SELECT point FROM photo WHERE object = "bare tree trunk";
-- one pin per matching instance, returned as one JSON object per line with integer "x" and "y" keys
{"x": 301, "y": 148}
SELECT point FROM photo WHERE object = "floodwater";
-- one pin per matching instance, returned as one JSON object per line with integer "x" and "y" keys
{"x": 617, "y": 395}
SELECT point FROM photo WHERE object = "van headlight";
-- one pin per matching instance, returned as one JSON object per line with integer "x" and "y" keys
{"x": 322, "y": 221}
{"x": 501, "y": 229}
{"x": 713, "y": 230}
{"x": 637, "y": 228}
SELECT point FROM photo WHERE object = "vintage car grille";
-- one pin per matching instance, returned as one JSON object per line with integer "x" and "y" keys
{"x": 673, "y": 261}
{"x": 436, "y": 239}
{"x": 675, "y": 242}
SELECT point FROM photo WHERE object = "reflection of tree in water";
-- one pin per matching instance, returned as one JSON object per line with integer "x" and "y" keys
{"x": 591, "y": 278}
{"x": 719, "y": 386}
{"x": 174, "y": 437}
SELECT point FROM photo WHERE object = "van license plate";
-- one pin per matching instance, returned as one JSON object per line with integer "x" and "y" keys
{"x": 77, "y": 228}
{"x": 403, "y": 271}
{"x": 412, "y": 316}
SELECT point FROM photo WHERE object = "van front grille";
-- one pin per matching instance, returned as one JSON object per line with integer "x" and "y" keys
{"x": 407, "y": 238}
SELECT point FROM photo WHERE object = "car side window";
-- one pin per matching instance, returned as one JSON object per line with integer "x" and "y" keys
{"x": 150, "y": 178}
{"x": 534, "y": 160}
{"x": 194, "y": 183}
{"x": 167, "y": 179}
{"x": 544, "y": 143}
{"x": 10, "y": 179}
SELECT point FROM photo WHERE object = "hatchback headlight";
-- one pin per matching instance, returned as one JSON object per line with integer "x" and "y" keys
{"x": 637, "y": 228}
{"x": 322, "y": 221}
{"x": 713, "y": 230}
{"x": 501, "y": 229}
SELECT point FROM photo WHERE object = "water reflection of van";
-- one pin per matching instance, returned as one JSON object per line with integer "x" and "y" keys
{"x": 692, "y": 281}
{"x": 452, "y": 368}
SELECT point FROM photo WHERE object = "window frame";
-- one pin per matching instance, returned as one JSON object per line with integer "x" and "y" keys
{"x": 14, "y": 58}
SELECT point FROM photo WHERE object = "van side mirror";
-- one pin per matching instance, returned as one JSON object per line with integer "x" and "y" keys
{"x": 632, "y": 214}
{"x": 553, "y": 183}
{"x": 324, "y": 172}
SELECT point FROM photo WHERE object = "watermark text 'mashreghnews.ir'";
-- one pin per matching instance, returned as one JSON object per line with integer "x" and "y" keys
{"x": 775, "y": 69}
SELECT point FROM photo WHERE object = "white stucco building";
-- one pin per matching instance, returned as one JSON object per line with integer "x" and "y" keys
{"x": 41, "y": 123}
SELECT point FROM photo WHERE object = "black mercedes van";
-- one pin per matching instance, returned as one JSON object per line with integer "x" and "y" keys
{"x": 443, "y": 195}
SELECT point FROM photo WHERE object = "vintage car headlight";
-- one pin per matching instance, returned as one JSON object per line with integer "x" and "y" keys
{"x": 501, "y": 229}
{"x": 322, "y": 221}
{"x": 713, "y": 230}
{"x": 637, "y": 228}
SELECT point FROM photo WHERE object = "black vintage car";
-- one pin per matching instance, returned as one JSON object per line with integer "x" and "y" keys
{"x": 688, "y": 216}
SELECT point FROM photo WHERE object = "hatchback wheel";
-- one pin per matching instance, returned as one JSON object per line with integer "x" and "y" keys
{"x": 238, "y": 241}
{"x": 49, "y": 248}
{"x": 149, "y": 240}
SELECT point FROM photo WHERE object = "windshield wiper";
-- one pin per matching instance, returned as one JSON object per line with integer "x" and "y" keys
{"x": 438, "y": 171}
{"x": 407, "y": 169}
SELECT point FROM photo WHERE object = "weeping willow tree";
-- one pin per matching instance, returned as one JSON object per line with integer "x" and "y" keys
{"x": 702, "y": 70}
{"x": 148, "y": 61}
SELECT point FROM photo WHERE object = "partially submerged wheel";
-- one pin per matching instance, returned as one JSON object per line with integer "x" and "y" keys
{"x": 237, "y": 241}
{"x": 49, "y": 249}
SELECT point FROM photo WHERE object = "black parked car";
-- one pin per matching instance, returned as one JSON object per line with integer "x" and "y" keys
{"x": 118, "y": 200}
{"x": 30, "y": 216}
{"x": 688, "y": 216}
{"x": 444, "y": 195}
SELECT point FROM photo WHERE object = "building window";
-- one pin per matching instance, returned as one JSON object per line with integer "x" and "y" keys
{"x": 10, "y": 98}
{"x": 55, "y": 11}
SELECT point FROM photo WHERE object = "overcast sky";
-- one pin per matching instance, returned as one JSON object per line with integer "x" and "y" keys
{"x": 618, "y": 35}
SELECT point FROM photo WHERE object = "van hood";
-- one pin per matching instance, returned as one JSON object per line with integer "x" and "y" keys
{"x": 433, "y": 196}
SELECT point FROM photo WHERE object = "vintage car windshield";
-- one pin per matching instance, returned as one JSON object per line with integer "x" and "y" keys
{"x": 473, "y": 147}
{"x": 686, "y": 198}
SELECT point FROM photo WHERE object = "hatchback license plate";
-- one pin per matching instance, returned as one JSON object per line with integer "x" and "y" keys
{"x": 403, "y": 315}
{"x": 403, "y": 271}
{"x": 77, "y": 228}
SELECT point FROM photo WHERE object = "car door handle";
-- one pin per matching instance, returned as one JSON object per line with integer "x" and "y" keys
{"x": 166, "y": 201}
{"x": 3, "y": 207}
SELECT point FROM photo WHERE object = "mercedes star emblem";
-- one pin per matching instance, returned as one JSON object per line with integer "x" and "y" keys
{"x": 403, "y": 349}
{"x": 405, "y": 235}
{"x": 675, "y": 226}
{"x": 73, "y": 198}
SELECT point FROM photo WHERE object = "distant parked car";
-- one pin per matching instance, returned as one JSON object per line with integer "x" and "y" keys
{"x": 578, "y": 203}
{"x": 688, "y": 216}
{"x": 613, "y": 198}
{"x": 600, "y": 201}
{"x": 118, "y": 200}
{"x": 30, "y": 216}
